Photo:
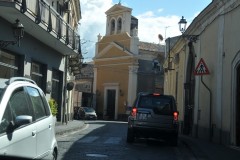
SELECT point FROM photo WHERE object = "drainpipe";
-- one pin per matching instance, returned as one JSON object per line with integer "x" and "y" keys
{"x": 210, "y": 111}
{"x": 64, "y": 118}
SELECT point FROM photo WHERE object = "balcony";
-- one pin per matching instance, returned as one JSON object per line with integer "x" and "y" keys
{"x": 42, "y": 21}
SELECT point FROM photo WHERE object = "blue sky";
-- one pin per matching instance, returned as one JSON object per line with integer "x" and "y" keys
{"x": 154, "y": 17}
{"x": 167, "y": 7}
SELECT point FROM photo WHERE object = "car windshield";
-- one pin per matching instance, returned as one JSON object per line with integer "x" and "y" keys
{"x": 88, "y": 109}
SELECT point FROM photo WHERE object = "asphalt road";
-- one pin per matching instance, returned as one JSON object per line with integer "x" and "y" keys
{"x": 106, "y": 140}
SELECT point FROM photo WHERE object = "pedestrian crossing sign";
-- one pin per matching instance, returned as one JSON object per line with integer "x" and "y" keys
{"x": 201, "y": 68}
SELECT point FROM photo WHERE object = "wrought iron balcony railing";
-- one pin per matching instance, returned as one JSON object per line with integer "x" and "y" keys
{"x": 44, "y": 13}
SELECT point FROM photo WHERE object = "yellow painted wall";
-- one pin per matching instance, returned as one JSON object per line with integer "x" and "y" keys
{"x": 112, "y": 62}
{"x": 123, "y": 39}
{"x": 113, "y": 71}
{"x": 218, "y": 45}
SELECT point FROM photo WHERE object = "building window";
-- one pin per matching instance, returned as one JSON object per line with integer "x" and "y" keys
{"x": 119, "y": 25}
{"x": 59, "y": 8}
{"x": 112, "y": 26}
{"x": 10, "y": 65}
{"x": 38, "y": 74}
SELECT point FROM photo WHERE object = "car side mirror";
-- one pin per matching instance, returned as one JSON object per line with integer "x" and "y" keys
{"x": 19, "y": 121}
{"x": 22, "y": 120}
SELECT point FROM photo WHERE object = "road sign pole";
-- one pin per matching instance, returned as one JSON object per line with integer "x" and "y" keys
{"x": 210, "y": 111}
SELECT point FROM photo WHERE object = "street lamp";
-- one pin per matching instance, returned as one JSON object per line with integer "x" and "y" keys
{"x": 182, "y": 27}
{"x": 182, "y": 24}
{"x": 18, "y": 32}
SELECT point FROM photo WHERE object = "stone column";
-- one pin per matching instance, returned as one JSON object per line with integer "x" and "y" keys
{"x": 132, "y": 84}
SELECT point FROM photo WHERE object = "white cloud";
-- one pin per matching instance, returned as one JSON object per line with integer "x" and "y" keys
{"x": 160, "y": 9}
{"x": 93, "y": 22}
{"x": 147, "y": 14}
{"x": 150, "y": 26}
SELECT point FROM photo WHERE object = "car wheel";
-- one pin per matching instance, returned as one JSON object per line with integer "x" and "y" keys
{"x": 130, "y": 136}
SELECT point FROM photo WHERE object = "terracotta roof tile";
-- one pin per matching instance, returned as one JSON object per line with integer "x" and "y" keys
{"x": 151, "y": 47}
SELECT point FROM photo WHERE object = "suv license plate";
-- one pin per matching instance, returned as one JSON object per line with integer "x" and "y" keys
{"x": 142, "y": 116}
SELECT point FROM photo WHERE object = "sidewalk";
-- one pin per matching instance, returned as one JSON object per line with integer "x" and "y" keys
{"x": 201, "y": 150}
{"x": 204, "y": 150}
{"x": 62, "y": 128}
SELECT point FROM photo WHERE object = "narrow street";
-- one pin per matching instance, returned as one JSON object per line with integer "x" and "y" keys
{"x": 107, "y": 140}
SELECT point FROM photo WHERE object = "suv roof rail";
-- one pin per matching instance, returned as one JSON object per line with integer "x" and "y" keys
{"x": 14, "y": 79}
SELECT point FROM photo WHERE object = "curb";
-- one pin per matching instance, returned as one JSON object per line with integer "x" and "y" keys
{"x": 202, "y": 149}
{"x": 68, "y": 130}
{"x": 194, "y": 149}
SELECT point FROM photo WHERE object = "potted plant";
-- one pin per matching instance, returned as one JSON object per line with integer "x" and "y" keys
{"x": 53, "y": 106}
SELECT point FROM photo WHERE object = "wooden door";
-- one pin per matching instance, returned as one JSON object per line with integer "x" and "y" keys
{"x": 111, "y": 94}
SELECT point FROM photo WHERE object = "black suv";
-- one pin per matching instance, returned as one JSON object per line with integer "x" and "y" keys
{"x": 153, "y": 116}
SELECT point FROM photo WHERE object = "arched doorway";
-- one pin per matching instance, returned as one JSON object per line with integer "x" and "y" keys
{"x": 235, "y": 108}
{"x": 238, "y": 108}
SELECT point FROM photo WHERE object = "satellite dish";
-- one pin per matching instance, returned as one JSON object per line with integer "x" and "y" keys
{"x": 160, "y": 37}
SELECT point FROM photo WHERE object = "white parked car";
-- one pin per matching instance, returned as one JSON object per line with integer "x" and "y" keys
{"x": 27, "y": 127}
{"x": 87, "y": 113}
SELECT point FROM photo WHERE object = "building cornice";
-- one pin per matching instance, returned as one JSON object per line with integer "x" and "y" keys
{"x": 204, "y": 19}
{"x": 121, "y": 9}
{"x": 114, "y": 58}
{"x": 210, "y": 14}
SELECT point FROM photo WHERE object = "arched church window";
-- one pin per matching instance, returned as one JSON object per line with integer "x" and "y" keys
{"x": 112, "y": 26}
{"x": 119, "y": 25}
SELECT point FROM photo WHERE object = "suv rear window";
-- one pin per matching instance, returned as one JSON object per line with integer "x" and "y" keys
{"x": 159, "y": 104}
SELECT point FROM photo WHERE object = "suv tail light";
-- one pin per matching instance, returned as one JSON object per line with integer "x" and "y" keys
{"x": 175, "y": 116}
{"x": 134, "y": 112}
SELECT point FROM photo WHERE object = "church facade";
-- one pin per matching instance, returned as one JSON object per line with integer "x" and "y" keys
{"x": 123, "y": 65}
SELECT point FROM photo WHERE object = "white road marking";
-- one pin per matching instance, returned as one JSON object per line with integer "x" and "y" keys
{"x": 110, "y": 140}
{"x": 113, "y": 140}
{"x": 89, "y": 139}
{"x": 97, "y": 155}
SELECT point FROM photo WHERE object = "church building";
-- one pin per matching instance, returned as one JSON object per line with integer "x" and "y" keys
{"x": 123, "y": 65}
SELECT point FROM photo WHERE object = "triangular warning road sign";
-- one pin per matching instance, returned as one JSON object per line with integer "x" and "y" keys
{"x": 201, "y": 68}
